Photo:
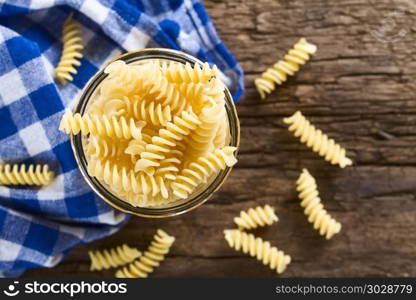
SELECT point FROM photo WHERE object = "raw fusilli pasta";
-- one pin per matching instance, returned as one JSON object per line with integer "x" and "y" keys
{"x": 101, "y": 125}
{"x": 167, "y": 138}
{"x": 200, "y": 170}
{"x": 255, "y": 217}
{"x": 297, "y": 56}
{"x": 317, "y": 141}
{"x": 126, "y": 179}
{"x": 21, "y": 175}
{"x": 115, "y": 257}
{"x": 179, "y": 73}
{"x": 152, "y": 128}
{"x": 201, "y": 140}
{"x": 256, "y": 247}
{"x": 71, "y": 51}
{"x": 308, "y": 193}
{"x": 150, "y": 259}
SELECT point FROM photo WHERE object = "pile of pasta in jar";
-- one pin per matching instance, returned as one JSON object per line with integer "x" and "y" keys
{"x": 155, "y": 132}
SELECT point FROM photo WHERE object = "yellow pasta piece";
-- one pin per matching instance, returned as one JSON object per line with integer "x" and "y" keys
{"x": 71, "y": 51}
{"x": 198, "y": 171}
{"x": 201, "y": 140}
{"x": 126, "y": 179}
{"x": 151, "y": 259}
{"x": 297, "y": 56}
{"x": 317, "y": 141}
{"x": 179, "y": 73}
{"x": 101, "y": 125}
{"x": 318, "y": 216}
{"x": 112, "y": 258}
{"x": 168, "y": 137}
{"x": 99, "y": 147}
{"x": 21, "y": 175}
{"x": 256, "y": 247}
{"x": 255, "y": 217}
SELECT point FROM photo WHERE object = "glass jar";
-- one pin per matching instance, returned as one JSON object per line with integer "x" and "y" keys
{"x": 194, "y": 200}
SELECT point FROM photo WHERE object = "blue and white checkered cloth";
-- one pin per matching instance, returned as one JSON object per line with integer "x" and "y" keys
{"x": 39, "y": 226}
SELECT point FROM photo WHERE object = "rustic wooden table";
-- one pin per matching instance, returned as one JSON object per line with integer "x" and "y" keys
{"x": 359, "y": 89}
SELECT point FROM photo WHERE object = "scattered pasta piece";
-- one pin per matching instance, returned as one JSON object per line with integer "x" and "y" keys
{"x": 150, "y": 259}
{"x": 308, "y": 193}
{"x": 21, "y": 175}
{"x": 115, "y": 257}
{"x": 71, "y": 51}
{"x": 256, "y": 247}
{"x": 290, "y": 64}
{"x": 317, "y": 141}
{"x": 255, "y": 217}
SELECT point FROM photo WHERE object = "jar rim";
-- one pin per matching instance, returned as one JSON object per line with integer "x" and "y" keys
{"x": 111, "y": 198}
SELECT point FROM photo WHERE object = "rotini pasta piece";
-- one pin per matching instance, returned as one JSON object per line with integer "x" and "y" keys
{"x": 201, "y": 140}
{"x": 256, "y": 247}
{"x": 21, "y": 175}
{"x": 222, "y": 136}
{"x": 317, "y": 141}
{"x": 255, "y": 217}
{"x": 152, "y": 258}
{"x": 152, "y": 112}
{"x": 179, "y": 73}
{"x": 101, "y": 125}
{"x": 168, "y": 137}
{"x": 125, "y": 79}
{"x": 112, "y": 258}
{"x": 318, "y": 216}
{"x": 297, "y": 56}
{"x": 100, "y": 147}
{"x": 198, "y": 172}
{"x": 71, "y": 51}
{"x": 135, "y": 147}
{"x": 126, "y": 179}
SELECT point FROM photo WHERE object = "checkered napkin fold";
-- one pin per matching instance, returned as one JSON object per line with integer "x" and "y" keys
{"x": 39, "y": 226}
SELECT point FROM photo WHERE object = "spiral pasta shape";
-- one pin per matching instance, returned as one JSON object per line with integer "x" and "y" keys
{"x": 151, "y": 259}
{"x": 168, "y": 137}
{"x": 71, "y": 51}
{"x": 179, "y": 73}
{"x": 318, "y": 216}
{"x": 105, "y": 148}
{"x": 255, "y": 217}
{"x": 101, "y": 125}
{"x": 21, "y": 175}
{"x": 297, "y": 56}
{"x": 152, "y": 112}
{"x": 200, "y": 170}
{"x": 112, "y": 258}
{"x": 317, "y": 141}
{"x": 126, "y": 179}
{"x": 256, "y": 247}
{"x": 201, "y": 139}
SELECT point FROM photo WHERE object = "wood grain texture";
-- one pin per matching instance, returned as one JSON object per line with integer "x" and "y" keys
{"x": 360, "y": 90}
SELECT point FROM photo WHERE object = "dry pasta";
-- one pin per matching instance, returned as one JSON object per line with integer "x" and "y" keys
{"x": 101, "y": 125}
{"x": 255, "y": 217}
{"x": 317, "y": 141}
{"x": 151, "y": 259}
{"x": 167, "y": 138}
{"x": 318, "y": 216}
{"x": 290, "y": 64}
{"x": 179, "y": 73}
{"x": 154, "y": 132}
{"x": 201, "y": 169}
{"x": 256, "y": 247}
{"x": 112, "y": 258}
{"x": 22, "y": 175}
{"x": 71, "y": 51}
